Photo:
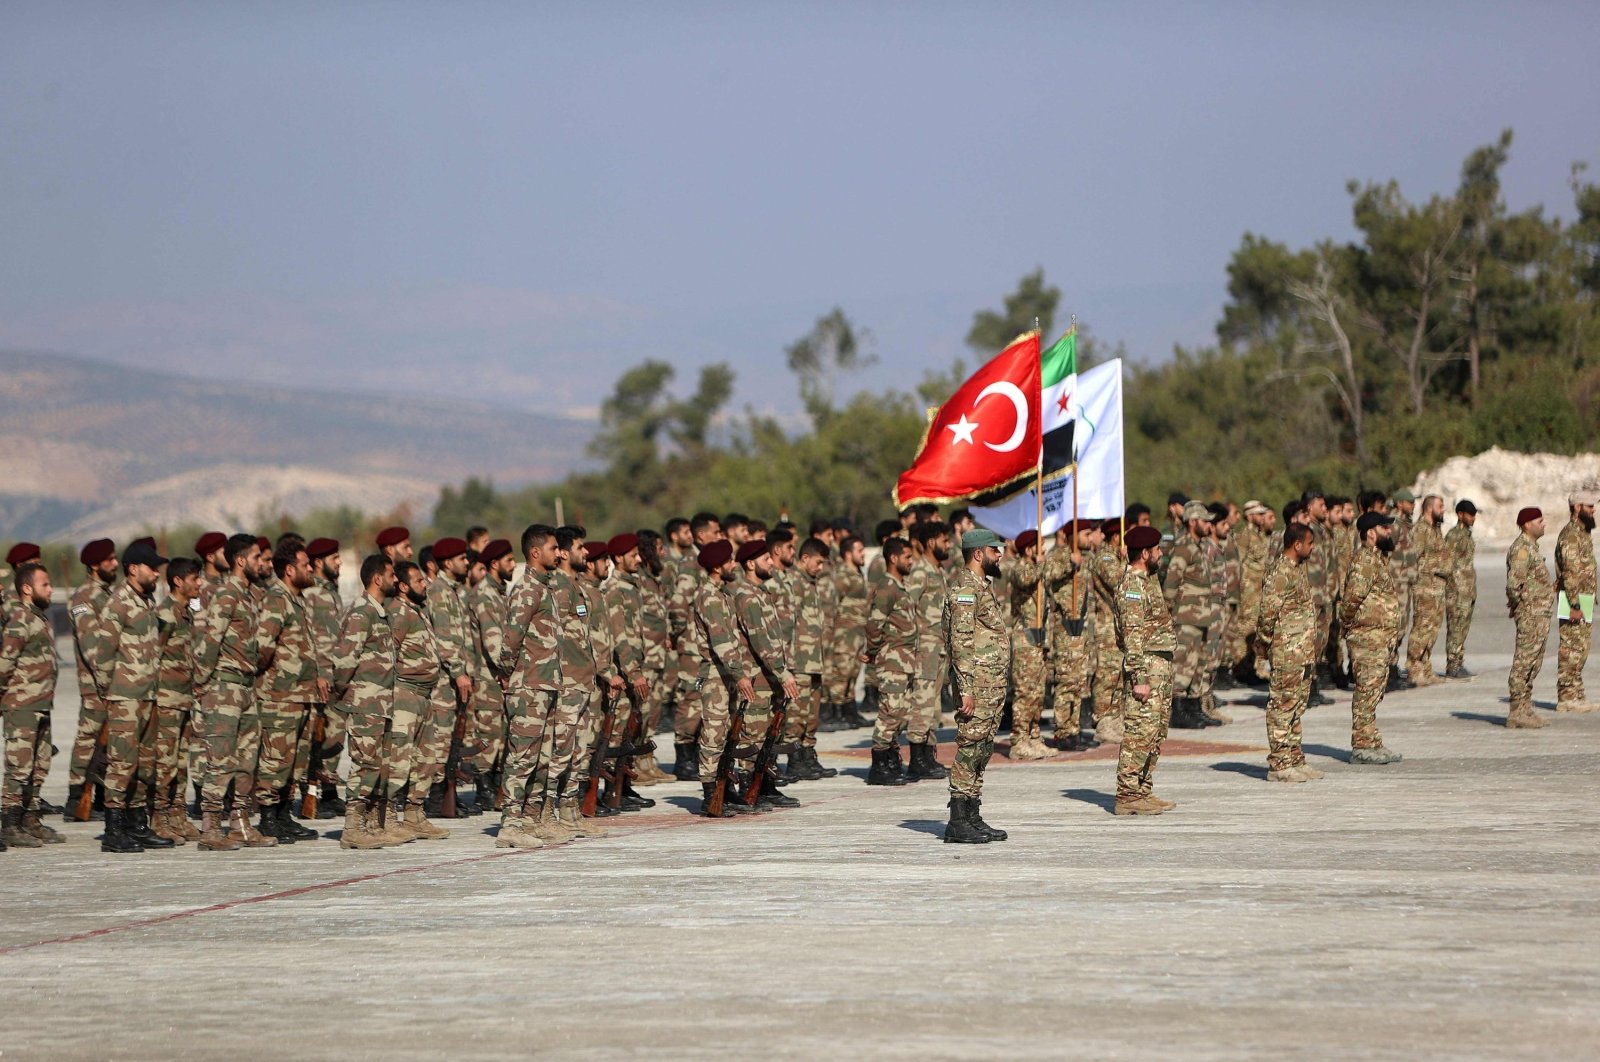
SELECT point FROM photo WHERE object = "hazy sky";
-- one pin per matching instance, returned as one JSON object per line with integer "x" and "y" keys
{"x": 515, "y": 201}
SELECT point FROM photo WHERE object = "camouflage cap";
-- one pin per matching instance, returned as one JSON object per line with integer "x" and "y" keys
{"x": 1583, "y": 497}
{"x": 1196, "y": 510}
{"x": 979, "y": 538}
{"x": 1251, "y": 507}
{"x": 1404, "y": 494}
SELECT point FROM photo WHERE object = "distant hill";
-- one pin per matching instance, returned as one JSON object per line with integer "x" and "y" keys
{"x": 77, "y": 437}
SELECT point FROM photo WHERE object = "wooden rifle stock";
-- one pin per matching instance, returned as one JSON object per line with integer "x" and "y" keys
{"x": 597, "y": 762}
{"x": 725, "y": 765}
{"x": 85, "y": 806}
{"x": 309, "y": 787}
{"x": 620, "y": 771}
{"x": 452, "y": 761}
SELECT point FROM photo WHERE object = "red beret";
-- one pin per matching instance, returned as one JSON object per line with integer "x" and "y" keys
{"x": 756, "y": 547}
{"x": 500, "y": 547}
{"x": 623, "y": 544}
{"x": 264, "y": 544}
{"x": 596, "y": 551}
{"x": 1530, "y": 513}
{"x": 1112, "y": 528}
{"x": 209, "y": 543}
{"x": 101, "y": 549}
{"x": 1028, "y": 538}
{"x": 321, "y": 547}
{"x": 392, "y": 536}
{"x": 22, "y": 553}
{"x": 714, "y": 555}
{"x": 446, "y": 548}
{"x": 1139, "y": 538}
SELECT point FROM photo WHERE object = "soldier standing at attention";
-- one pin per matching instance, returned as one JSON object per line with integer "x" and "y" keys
{"x": 1530, "y": 598}
{"x": 453, "y": 633}
{"x": 849, "y": 632}
{"x": 637, "y": 565}
{"x": 926, "y": 583}
{"x": 85, "y": 608}
{"x": 1575, "y": 577}
{"x": 1105, "y": 565}
{"x": 893, "y": 632}
{"x": 720, "y": 658}
{"x": 1191, "y": 600}
{"x": 18, "y": 555}
{"x": 175, "y": 624}
{"x": 1069, "y": 596}
{"x": 766, "y": 655}
{"x": 1146, "y": 637}
{"x": 209, "y": 548}
{"x": 324, "y": 608}
{"x": 1289, "y": 630}
{"x": 532, "y": 656}
{"x": 290, "y": 684}
{"x": 1370, "y": 612}
{"x": 1021, "y": 584}
{"x": 486, "y": 608}
{"x": 1461, "y": 590}
{"x": 362, "y": 674}
{"x": 1404, "y": 559}
{"x": 980, "y": 658}
{"x": 27, "y": 690}
{"x": 1250, "y": 541}
{"x": 395, "y": 543}
{"x": 415, "y": 696}
{"x": 1428, "y": 593}
{"x": 812, "y": 603}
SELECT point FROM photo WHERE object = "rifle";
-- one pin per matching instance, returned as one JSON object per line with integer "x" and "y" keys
{"x": 309, "y": 787}
{"x": 597, "y": 762}
{"x": 620, "y": 771}
{"x": 768, "y": 756}
{"x": 97, "y": 759}
{"x": 725, "y": 765}
{"x": 452, "y": 761}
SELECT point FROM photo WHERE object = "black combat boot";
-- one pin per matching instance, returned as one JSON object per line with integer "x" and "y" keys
{"x": 137, "y": 825}
{"x": 973, "y": 816}
{"x": 828, "y": 721}
{"x": 685, "y": 766}
{"x": 433, "y": 803}
{"x": 1224, "y": 680}
{"x": 632, "y": 801}
{"x": 1186, "y": 714}
{"x": 289, "y": 830}
{"x": 483, "y": 799}
{"x": 194, "y": 809}
{"x": 817, "y": 768}
{"x": 851, "y": 718}
{"x": 330, "y": 806}
{"x": 960, "y": 829}
{"x": 705, "y": 801}
{"x": 885, "y": 768}
{"x": 268, "y": 826}
{"x": 770, "y": 796}
{"x": 926, "y": 765}
{"x": 116, "y": 837}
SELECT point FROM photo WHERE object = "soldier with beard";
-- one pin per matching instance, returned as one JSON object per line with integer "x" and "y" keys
{"x": 324, "y": 607}
{"x": 486, "y": 607}
{"x": 1530, "y": 597}
{"x": 655, "y": 632}
{"x": 767, "y": 660}
{"x": 1021, "y": 587}
{"x": 893, "y": 637}
{"x": 362, "y": 678}
{"x": 615, "y": 653}
{"x": 28, "y": 674}
{"x": 1194, "y": 606}
{"x": 532, "y": 656}
{"x": 1069, "y": 593}
{"x": 417, "y": 679}
{"x": 980, "y": 658}
{"x": 289, "y": 685}
{"x": 1461, "y": 590}
{"x": 1105, "y": 565}
{"x": 926, "y": 583}
{"x": 717, "y": 659}
{"x": 1428, "y": 593}
{"x": 1146, "y": 637}
{"x": 1575, "y": 577}
{"x": 849, "y": 634}
{"x": 812, "y": 604}
{"x": 85, "y": 608}
{"x": 1370, "y": 612}
{"x": 458, "y": 649}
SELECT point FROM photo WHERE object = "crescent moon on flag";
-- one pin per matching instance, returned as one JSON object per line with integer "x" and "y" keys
{"x": 1019, "y": 400}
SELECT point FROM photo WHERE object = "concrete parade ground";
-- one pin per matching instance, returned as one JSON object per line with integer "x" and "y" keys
{"x": 1445, "y": 906}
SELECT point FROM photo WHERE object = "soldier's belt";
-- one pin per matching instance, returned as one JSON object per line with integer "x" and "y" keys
{"x": 232, "y": 678}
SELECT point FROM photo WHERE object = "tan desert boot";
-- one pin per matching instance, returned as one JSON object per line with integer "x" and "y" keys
{"x": 212, "y": 839}
{"x": 418, "y": 822}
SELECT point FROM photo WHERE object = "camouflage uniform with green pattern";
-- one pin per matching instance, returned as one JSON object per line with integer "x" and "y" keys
{"x": 1147, "y": 640}
{"x": 174, "y": 702}
{"x": 1191, "y": 598}
{"x": 1427, "y": 600}
{"x": 927, "y": 585}
{"x": 893, "y": 666}
{"x": 285, "y": 692}
{"x": 1461, "y": 594}
{"x": 1530, "y": 597}
{"x": 126, "y": 651}
{"x": 417, "y": 679}
{"x": 27, "y": 691}
{"x": 767, "y": 656}
{"x": 1369, "y": 610}
{"x": 225, "y": 667}
{"x": 532, "y": 657}
{"x": 1017, "y": 591}
{"x": 718, "y": 662}
{"x": 1072, "y": 658}
{"x": 1575, "y": 576}
{"x": 84, "y": 609}
{"x": 1288, "y": 628}
{"x": 979, "y": 646}
{"x": 813, "y": 603}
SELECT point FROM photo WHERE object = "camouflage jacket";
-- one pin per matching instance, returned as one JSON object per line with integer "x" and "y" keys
{"x": 654, "y": 622}
{"x": 977, "y": 634}
{"x": 1369, "y": 603}
{"x": 1020, "y": 585}
{"x": 680, "y": 617}
{"x": 1105, "y": 568}
{"x": 1251, "y": 544}
{"x": 323, "y": 609}
{"x": 8, "y": 588}
{"x": 1218, "y": 555}
{"x": 1187, "y": 585}
{"x": 291, "y": 674}
{"x": 1433, "y": 560}
{"x": 486, "y": 618}
{"x": 1288, "y": 616}
{"x": 175, "y": 678}
{"x": 1062, "y": 605}
{"x": 1404, "y": 556}
{"x": 1463, "y": 569}
{"x": 606, "y": 627}
{"x": 1530, "y": 592}
{"x": 578, "y": 668}
{"x": 1575, "y": 561}
{"x": 814, "y": 603}
{"x": 893, "y": 634}
{"x": 365, "y": 658}
{"x": 1230, "y": 565}
{"x": 452, "y": 628}
{"x": 757, "y": 621}
{"x": 127, "y": 649}
{"x": 226, "y": 647}
{"x": 1319, "y": 566}
{"x": 532, "y": 651}
{"x": 625, "y": 605}
{"x": 85, "y": 608}
{"x": 1344, "y": 554}
{"x": 1144, "y": 625}
{"x": 717, "y": 650}
{"x": 927, "y": 585}
{"x": 27, "y": 659}
{"x": 850, "y": 593}
{"x": 417, "y": 650}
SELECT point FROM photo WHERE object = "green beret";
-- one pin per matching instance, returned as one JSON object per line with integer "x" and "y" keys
{"x": 980, "y": 538}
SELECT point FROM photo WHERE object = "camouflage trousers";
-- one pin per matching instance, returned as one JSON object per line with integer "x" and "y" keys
{"x": 1533, "y": 632}
{"x": 366, "y": 733}
{"x": 433, "y": 740}
{"x": 172, "y": 742}
{"x": 1369, "y": 661}
{"x": 1191, "y": 676}
{"x": 334, "y": 726}
{"x": 27, "y": 755}
{"x": 130, "y": 752}
{"x": 1403, "y": 591}
{"x": 897, "y": 703}
{"x": 686, "y": 710}
{"x": 1333, "y": 651}
{"x": 654, "y": 704}
{"x": 285, "y": 730}
{"x": 194, "y": 747}
{"x": 805, "y": 714}
{"x": 488, "y": 730}
{"x": 588, "y": 737}
{"x": 91, "y": 715}
{"x": 1216, "y": 640}
{"x": 1027, "y": 685}
{"x": 975, "y": 741}
{"x": 927, "y": 698}
{"x": 527, "y": 775}
{"x": 714, "y": 708}
{"x": 753, "y": 731}
{"x": 401, "y": 752}
{"x": 1144, "y": 728}
{"x": 1241, "y": 631}
{"x": 1072, "y": 667}
{"x": 1572, "y": 652}
{"x": 843, "y": 665}
{"x": 1427, "y": 616}
{"x": 231, "y": 736}
{"x": 1287, "y": 695}
{"x": 1458, "y": 607}
{"x": 560, "y": 743}
{"x": 1106, "y": 685}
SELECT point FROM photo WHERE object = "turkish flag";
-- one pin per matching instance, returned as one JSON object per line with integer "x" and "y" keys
{"x": 985, "y": 436}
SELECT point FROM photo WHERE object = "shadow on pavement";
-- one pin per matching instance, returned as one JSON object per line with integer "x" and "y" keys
{"x": 687, "y": 803}
{"x": 929, "y": 826}
{"x": 1107, "y": 801}
{"x": 1249, "y": 770}
{"x": 1480, "y": 717}
{"x": 1342, "y": 755}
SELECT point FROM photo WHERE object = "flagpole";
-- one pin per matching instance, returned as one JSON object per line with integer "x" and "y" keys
{"x": 1074, "y": 543}
{"x": 1038, "y": 514}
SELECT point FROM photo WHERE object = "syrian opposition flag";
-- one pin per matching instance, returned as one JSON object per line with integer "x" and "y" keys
{"x": 1058, "y": 379}
{"x": 986, "y": 437}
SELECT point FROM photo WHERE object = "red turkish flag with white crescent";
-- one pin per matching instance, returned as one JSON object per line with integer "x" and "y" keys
{"x": 986, "y": 436}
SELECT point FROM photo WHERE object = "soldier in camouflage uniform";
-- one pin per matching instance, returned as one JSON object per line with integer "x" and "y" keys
{"x": 126, "y": 652}
{"x": 1404, "y": 559}
{"x": 18, "y": 555}
{"x": 1148, "y": 642}
{"x": 175, "y": 627}
{"x": 1461, "y": 590}
{"x": 1249, "y": 540}
{"x": 1193, "y": 603}
{"x": 1105, "y": 566}
{"x": 1288, "y": 627}
{"x": 1428, "y": 591}
{"x": 766, "y": 654}
{"x": 893, "y": 668}
{"x": 1369, "y": 609}
{"x": 324, "y": 607}
{"x": 362, "y": 669}
{"x": 980, "y": 658}
{"x": 288, "y": 687}
{"x": 1575, "y": 577}
{"x": 458, "y": 661}
{"x": 1225, "y": 593}
{"x": 812, "y": 604}
{"x": 1020, "y": 585}
{"x": 486, "y": 609}
{"x": 1341, "y": 524}
{"x": 416, "y": 702}
{"x": 849, "y": 635}
{"x": 588, "y": 566}
{"x": 27, "y": 691}
{"x": 636, "y": 591}
{"x": 1530, "y": 599}
{"x": 85, "y": 608}
{"x": 1069, "y": 592}
{"x": 927, "y": 584}
{"x": 717, "y": 659}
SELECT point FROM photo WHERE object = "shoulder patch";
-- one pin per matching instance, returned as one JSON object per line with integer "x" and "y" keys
{"x": 583, "y": 610}
{"x": 1133, "y": 595}
{"x": 966, "y": 599}
{"x": 81, "y": 610}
